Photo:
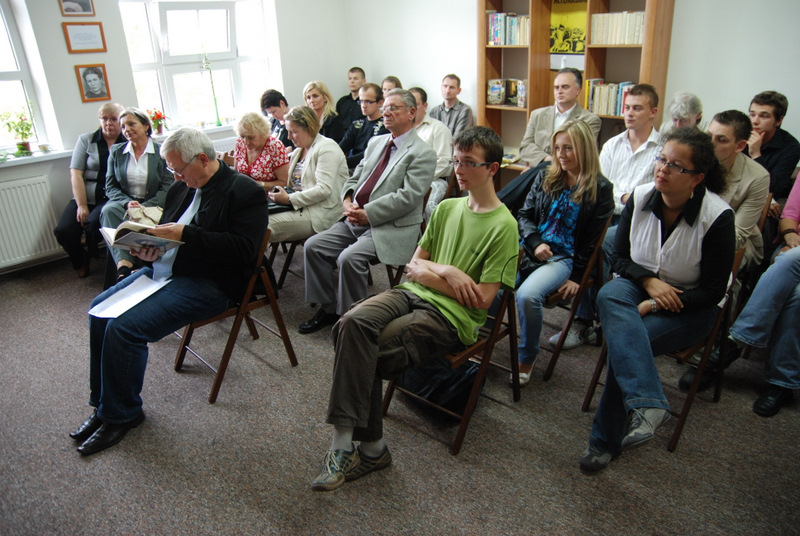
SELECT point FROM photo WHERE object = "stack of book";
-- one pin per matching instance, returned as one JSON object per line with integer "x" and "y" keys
{"x": 602, "y": 98}
{"x": 624, "y": 28}
{"x": 507, "y": 92}
{"x": 508, "y": 29}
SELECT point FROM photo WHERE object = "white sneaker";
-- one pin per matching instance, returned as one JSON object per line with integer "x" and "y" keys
{"x": 642, "y": 426}
{"x": 578, "y": 335}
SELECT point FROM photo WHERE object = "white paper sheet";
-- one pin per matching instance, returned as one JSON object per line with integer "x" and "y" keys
{"x": 121, "y": 301}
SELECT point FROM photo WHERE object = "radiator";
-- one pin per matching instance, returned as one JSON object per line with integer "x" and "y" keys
{"x": 225, "y": 144}
{"x": 27, "y": 221}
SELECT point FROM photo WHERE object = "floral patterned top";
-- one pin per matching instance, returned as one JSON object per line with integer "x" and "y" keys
{"x": 273, "y": 155}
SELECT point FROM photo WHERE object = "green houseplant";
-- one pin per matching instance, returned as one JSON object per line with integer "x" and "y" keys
{"x": 19, "y": 124}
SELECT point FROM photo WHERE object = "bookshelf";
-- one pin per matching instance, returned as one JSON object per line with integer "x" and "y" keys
{"x": 642, "y": 63}
{"x": 526, "y": 62}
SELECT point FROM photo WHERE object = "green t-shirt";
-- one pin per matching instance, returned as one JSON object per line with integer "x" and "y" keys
{"x": 484, "y": 246}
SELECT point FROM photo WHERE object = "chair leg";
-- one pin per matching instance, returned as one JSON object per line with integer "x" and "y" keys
{"x": 512, "y": 347}
{"x": 226, "y": 357}
{"x": 276, "y": 314}
{"x": 186, "y": 338}
{"x": 287, "y": 263}
{"x": 573, "y": 310}
{"x": 251, "y": 326}
{"x": 477, "y": 387}
{"x": 387, "y": 397}
{"x": 598, "y": 370}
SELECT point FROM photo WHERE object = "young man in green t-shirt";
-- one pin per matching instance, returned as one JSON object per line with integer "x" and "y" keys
{"x": 468, "y": 251}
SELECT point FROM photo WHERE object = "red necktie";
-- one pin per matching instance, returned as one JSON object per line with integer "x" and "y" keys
{"x": 362, "y": 197}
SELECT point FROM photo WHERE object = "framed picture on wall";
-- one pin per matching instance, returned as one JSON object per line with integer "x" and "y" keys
{"x": 84, "y": 37}
{"x": 93, "y": 82}
{"x": 72, "y": 8}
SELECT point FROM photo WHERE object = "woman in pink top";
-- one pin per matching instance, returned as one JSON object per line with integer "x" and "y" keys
{"x": 257, "y": 154}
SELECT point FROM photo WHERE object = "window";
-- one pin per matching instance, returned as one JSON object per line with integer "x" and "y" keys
{"x": 196, "y": 60}
{"x": 16, "y": 86}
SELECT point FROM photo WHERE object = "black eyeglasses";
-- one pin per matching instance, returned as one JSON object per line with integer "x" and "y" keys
{"x": 180, "y": 173}
{"x": 675, "y": 168}
{"x": 472, "y": 165}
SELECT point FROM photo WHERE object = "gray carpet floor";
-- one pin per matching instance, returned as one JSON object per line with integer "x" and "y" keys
{"x": 244, "y": 464}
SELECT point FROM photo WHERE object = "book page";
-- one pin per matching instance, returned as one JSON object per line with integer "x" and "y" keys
{"x": 121, "y": 301}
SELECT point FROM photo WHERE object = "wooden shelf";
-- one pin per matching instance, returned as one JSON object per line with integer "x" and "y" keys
{"x": 506, "y": 108}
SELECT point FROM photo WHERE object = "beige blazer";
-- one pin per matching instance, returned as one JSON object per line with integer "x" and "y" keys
{"x": 324, "y": 173}
{"x": 535, "y": 144}
{"x": 748, "y": 187}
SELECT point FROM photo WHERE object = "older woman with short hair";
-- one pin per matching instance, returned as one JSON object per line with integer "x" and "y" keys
{"x": 319, "y": 99}
{"x": 137, "y": 176}
{"x": 257, "y": 154}
{"x": 317, "y": 173}
{"x": 87, "y": 171}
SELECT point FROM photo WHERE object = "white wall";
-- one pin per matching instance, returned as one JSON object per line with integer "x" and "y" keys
{"x": 54, "y": 70}
{"x": 726, "y": 51}
{"x": 419, "y": 41}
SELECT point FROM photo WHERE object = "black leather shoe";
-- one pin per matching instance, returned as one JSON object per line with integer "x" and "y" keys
{"x": 108, "y": 435}
{"x": 320, "y": 320}
{"x": 87, "y": 428}
{"x": 770, "y": 401}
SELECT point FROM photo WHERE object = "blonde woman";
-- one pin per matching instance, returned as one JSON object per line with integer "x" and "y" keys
{"x": 317, "y": 173}
{"x": 319, "y": 99}
{"x": 559, "y": 224}
{"x": 259, "y": 155}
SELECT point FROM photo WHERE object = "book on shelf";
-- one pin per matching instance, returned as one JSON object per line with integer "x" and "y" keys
{"x": 130, "y": 235}
{"x": 507, "y": 29}
{"x": 522, "y": 93}
{"x": 496, "y": 91}
{"x": 623, "y": 28}
{"x": 512, "y": 91}
{"x": 588, "y": 92}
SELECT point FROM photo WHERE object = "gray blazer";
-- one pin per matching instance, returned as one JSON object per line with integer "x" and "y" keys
{"x": 158, "y": 178}
{"x": 535, "y": 144}
{"x": 395, "y": 206}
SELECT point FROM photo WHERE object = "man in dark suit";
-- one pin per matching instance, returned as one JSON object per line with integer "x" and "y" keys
{"x": 221, "y": 217}
{"x": 382, "y": 206}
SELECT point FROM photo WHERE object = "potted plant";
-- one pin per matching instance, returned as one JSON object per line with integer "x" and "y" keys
{"x": 159, "y": 120}
{"x": 19, "y": 124}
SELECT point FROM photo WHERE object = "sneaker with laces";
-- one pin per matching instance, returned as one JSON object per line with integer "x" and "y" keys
{"x": 369, "y": 464}
{"x": 594, "y": 459}
{"x": 337, "y": 463}
{"x": 642, "y": 426}
{"x": 578, "y": 335}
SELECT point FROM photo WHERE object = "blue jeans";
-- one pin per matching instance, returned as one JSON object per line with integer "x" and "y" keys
{"x": 118, "y": 346}
{"x": 771, "y": 319}
{"x": 632, "y": 378}
{"x": 531, "y": 293}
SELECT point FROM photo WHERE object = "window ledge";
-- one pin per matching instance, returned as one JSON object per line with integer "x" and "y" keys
{"x": 35, "y": 158}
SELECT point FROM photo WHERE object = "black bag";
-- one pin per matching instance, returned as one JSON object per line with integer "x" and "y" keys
{"x": 437, "y": 382}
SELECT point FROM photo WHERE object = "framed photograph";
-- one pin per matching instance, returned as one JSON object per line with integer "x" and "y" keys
{"x": 73, "y": 8}
{"x": 84, "y": 37}
{"x": 93, "y": 82}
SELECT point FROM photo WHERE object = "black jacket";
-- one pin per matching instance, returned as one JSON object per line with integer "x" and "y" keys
{"x": 222, "y": 241}
{"x": 591, "y": 221}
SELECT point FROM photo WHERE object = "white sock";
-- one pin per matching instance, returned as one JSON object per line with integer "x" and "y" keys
{"x": 373, "y": 449}
{"x": 342, "y": 438}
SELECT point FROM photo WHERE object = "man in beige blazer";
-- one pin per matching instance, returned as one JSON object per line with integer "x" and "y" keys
{"x": 382, "y": 215}
{"x": 535, "y": 146}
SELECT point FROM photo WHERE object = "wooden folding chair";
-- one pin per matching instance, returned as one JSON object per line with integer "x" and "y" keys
{"x": 240, "y": 312}
{"x": 721, "y": 324}
{"x": 502, "y": 325}
{"x": 592, "y": 277}
{"x": 288, "y": 248}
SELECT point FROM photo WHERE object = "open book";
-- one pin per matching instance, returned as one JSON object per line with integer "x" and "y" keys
{"x": 130, "y": 235}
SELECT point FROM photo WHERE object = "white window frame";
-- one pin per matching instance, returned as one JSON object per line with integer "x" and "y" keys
{"x": 22, "y": 73}
{"x": 167, "y": 66}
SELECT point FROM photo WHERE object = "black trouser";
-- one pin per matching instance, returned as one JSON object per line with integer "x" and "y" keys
{"x": 68, "y": 232}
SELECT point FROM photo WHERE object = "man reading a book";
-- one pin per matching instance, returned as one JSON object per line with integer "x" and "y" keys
{"x": 220, "y": 216}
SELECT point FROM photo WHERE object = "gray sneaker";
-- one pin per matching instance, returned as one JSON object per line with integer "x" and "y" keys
{"x": 594, "y": 459}
{"x": 337, "y": 463}
{"x": 642, "y": 426}
{"x": 578, "y": 334}
{"x": 369, "y": 464}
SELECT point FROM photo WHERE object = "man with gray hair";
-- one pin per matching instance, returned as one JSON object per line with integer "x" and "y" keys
{"x": 382, "y": 208}
{"x": 684, "y": 110}
{"x": 220, "y": 216}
